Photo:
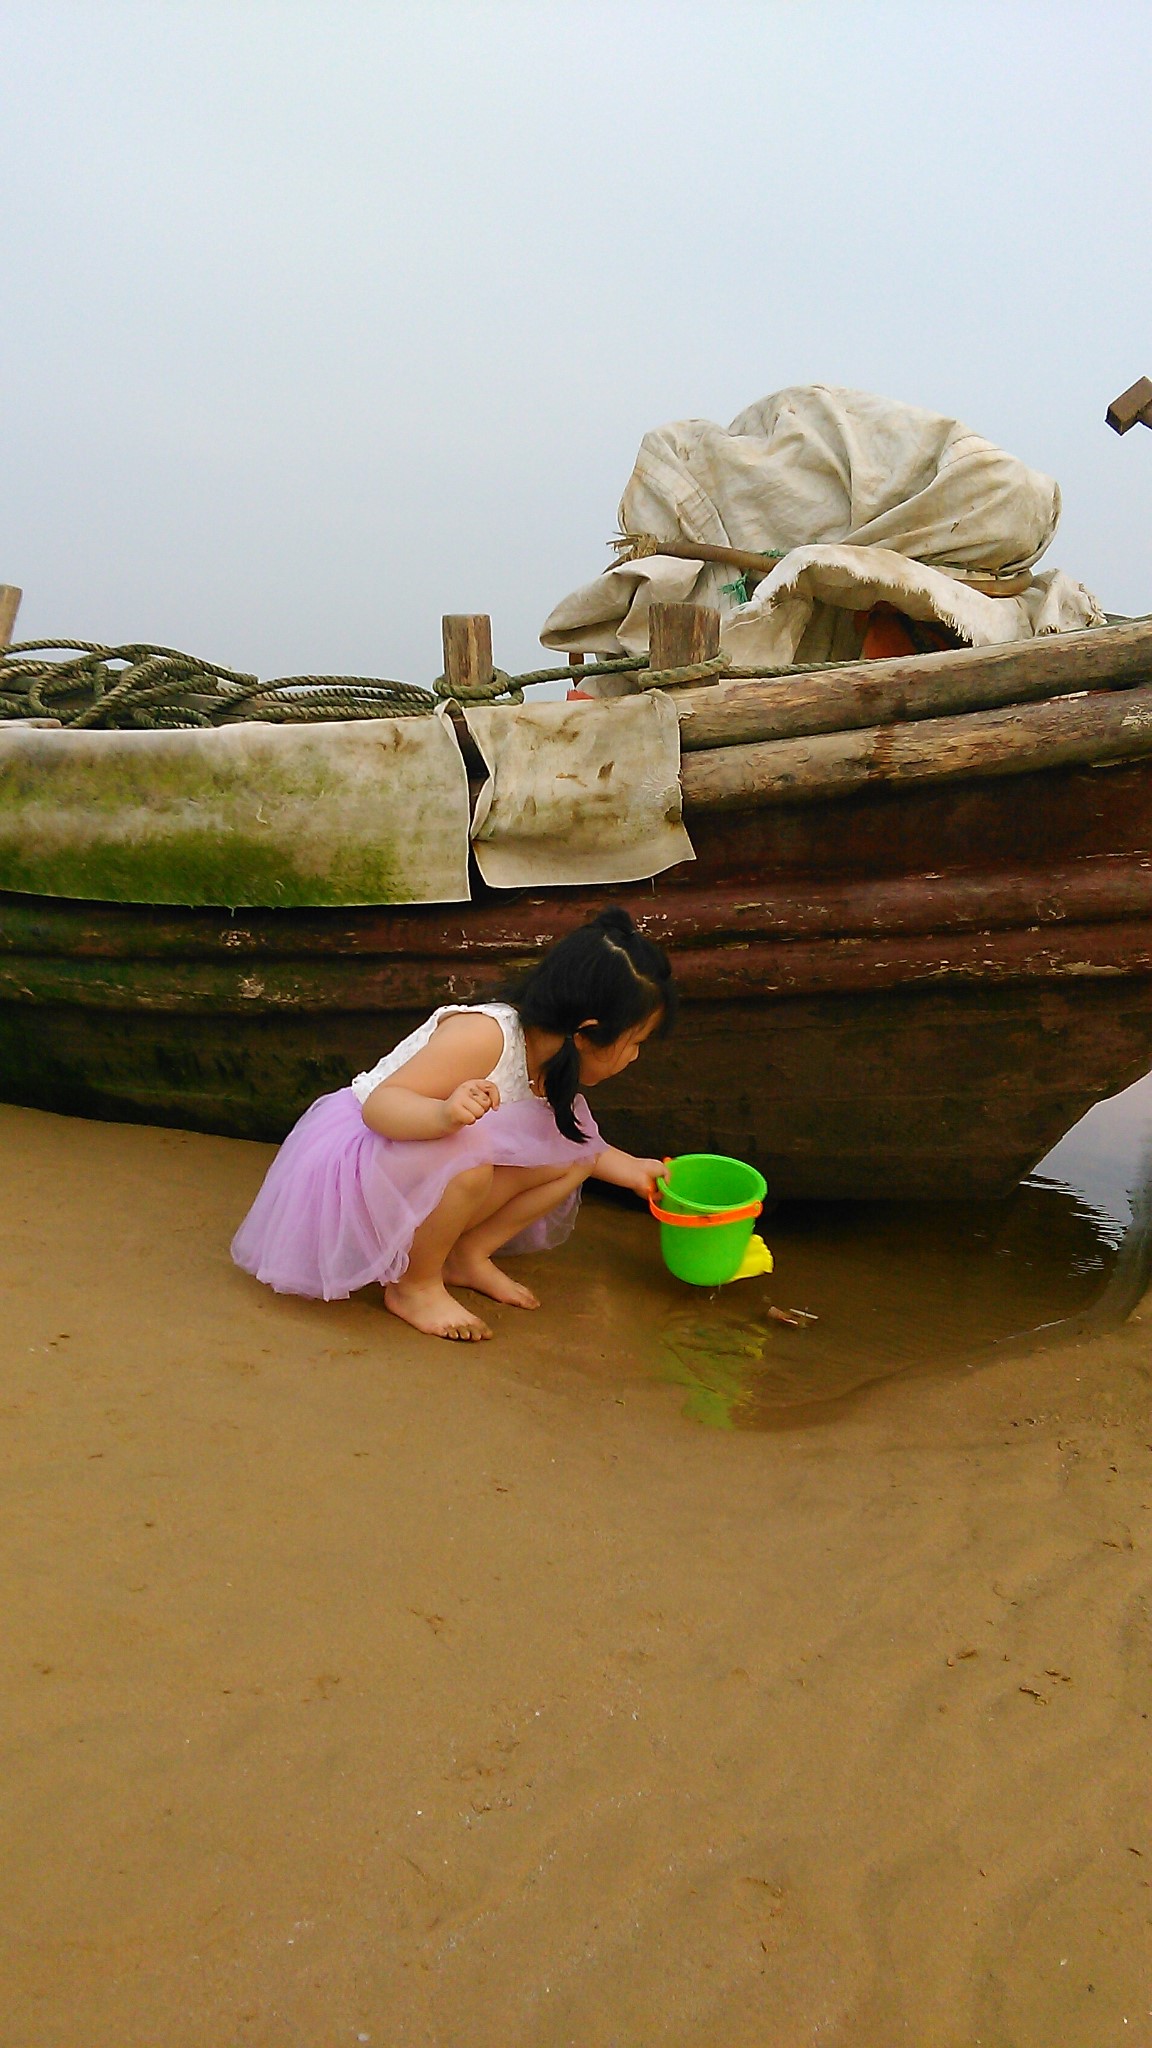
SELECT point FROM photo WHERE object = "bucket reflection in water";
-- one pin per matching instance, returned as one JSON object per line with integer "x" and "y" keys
{"x": 914, "y": 1286}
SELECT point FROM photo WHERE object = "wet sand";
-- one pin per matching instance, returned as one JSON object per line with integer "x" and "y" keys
{"x": 363, "y": 1689}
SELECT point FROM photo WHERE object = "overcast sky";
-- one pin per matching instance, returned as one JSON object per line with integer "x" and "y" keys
{"x": 323, "y": 317}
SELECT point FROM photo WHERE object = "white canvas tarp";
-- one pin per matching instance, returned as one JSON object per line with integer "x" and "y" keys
{"x": 578, "y": 793}
{"x": 868, "y": 499}
{"x": 373, "y": 811}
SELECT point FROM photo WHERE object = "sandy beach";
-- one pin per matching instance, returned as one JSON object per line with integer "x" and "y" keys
{"x": 363, "y": 1689}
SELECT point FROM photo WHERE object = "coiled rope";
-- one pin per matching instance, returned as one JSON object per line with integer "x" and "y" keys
{"x": 149, "y": 688}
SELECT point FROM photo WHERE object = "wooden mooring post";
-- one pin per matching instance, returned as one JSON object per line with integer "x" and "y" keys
{"x": 681, "y": 634}
{"x": 9, "y": 606}
{"x": 467, "y": 652}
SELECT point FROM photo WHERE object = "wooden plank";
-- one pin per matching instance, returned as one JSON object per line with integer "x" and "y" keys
{"x": 755, "y": 969}
{"x": 1092, "y": 730}
{"x": 1096, "y": 890}
{"x": 917, "y": 686}
{"x": 863, "y": 1049}
{"x": 885, "y": 830}
{"x": 9, "y": 606}
{"x": 765, "y": 969}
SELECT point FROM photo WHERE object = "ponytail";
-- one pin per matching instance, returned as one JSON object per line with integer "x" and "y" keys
{"x": 605, "y": 970}
{"x": 561, "y": 1077}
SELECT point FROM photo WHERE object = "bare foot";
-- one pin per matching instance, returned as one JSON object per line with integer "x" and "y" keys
{"x": 429, "y": 1307}
{"x": 479, "y": 1273}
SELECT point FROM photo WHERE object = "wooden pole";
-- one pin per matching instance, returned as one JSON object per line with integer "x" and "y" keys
{"x": 710, "y": 551}
{"x": 1081, "y": 732}
{"x": 679, "y": 635}
{"x": 467, "y": 651}
{"x": 914, "y": 686}
{"x": 9, "y": 606}
{"x": 1132, "y": 405}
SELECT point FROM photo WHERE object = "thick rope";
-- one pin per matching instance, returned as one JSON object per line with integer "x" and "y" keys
{"x": 575, "y": 670}
{"x": 141, "y": 687}
{"x": 500, "y": 685}
{"x": 138, "y": 687}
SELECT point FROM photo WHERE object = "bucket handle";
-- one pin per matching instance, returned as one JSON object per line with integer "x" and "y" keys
{"x": 705, "y": 1222}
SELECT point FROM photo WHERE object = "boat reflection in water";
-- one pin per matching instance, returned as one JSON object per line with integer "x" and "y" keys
{"x": 904, "y": 1287}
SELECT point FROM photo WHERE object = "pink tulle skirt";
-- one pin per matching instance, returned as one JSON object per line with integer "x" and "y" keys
{"x": 340, "y": 1204}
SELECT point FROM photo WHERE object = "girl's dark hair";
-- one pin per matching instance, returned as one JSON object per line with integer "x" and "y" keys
{"x": 607, "y": 971}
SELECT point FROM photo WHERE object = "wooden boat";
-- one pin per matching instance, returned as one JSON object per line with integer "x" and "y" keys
{"x": 916, "y": 943}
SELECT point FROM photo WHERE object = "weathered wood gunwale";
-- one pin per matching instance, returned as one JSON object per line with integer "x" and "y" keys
{"x": 1088, "y": 731}
{"x": 912, "y": 687}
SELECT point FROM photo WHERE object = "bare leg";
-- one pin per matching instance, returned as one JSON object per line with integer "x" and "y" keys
{"x": 420, "y": 1297}
{"x": 518, "y": 1196}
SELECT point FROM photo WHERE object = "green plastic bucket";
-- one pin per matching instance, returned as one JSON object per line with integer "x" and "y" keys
{"x": 706, "y": 1183}
{"x": 706, "y": 1207}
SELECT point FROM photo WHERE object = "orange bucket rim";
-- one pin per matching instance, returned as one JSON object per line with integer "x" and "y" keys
{"x": 713, "y": 1222}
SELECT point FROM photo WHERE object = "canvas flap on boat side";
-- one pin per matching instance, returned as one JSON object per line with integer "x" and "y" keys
{"x": 372, "y": 811}
{"x": 579, "y": 792}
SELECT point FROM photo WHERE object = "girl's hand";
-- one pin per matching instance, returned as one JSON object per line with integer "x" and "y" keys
{"x": 623, "y": 1170}
{"x": 648, "y": 1172}
{"x": 469, "y": 1102}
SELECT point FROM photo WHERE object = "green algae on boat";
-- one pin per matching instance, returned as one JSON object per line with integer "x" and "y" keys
{"x": 372, "y": 811}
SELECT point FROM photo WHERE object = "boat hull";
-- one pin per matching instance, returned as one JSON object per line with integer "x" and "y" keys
{"x": 903, "y": 993}
{"x": 935, "y": 1093}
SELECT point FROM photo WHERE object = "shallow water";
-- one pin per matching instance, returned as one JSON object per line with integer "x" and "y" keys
{"x": 910, "y": 1287}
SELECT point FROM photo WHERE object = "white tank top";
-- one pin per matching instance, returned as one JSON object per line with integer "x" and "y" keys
{"x": 510, "y": 1072}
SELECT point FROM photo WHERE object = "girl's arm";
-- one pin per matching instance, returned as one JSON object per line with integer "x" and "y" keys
{"x": 441, "y": 1089}
{"x": 621, "y": 1170}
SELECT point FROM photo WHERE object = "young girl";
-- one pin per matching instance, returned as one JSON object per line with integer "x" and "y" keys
{"x": 468, "y": 1138}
